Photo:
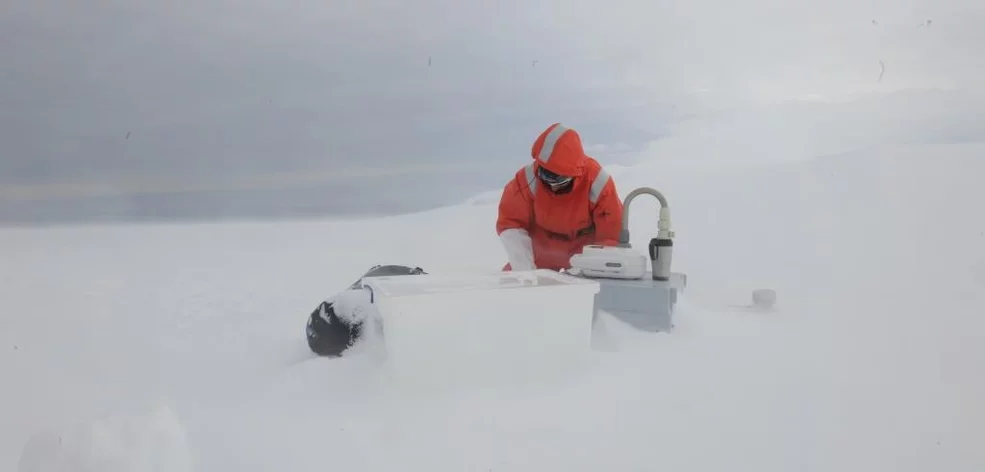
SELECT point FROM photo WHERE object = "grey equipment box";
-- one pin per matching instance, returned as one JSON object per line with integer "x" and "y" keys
{"x": 645, "y": 304}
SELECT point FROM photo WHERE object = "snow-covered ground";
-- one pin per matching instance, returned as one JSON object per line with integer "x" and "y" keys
{"x": 180, "y": 347}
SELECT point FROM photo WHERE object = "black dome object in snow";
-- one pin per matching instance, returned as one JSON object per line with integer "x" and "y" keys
{"x": 328, "y": 333}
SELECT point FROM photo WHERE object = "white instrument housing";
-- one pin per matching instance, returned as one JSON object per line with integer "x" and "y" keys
{"x": 610, "y": 262}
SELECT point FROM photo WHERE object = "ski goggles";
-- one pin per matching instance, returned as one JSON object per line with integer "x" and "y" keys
{"x": 552, "y": 180}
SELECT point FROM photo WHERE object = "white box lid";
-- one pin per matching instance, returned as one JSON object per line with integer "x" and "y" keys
{"x": 411, "y": 285}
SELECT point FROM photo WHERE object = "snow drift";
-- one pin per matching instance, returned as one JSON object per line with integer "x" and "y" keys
{"x": 151, "y": 440}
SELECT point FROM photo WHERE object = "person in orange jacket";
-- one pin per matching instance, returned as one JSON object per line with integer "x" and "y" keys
{"x": 558, "y": 204}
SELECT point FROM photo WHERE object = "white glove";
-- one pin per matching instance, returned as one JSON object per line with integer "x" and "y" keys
{"x": 519, "y": 249}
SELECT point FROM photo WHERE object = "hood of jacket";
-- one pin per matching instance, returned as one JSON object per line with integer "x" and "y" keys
{"x": 559, "y": 150}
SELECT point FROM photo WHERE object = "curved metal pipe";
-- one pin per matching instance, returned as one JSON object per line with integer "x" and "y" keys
{"x": 664, "y": 221}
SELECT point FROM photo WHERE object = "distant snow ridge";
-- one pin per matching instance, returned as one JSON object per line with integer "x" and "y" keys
{"x": 152, "y": 440}
{"x": 485, "y": 198}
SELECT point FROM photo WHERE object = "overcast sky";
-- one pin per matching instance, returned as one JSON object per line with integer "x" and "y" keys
{"x": 129, "y": 96}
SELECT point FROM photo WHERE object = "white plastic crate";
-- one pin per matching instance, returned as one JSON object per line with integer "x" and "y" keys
{"x": 484, "y": 328}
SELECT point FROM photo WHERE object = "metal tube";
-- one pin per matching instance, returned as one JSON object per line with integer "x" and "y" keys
{"x": 664, "y": 212}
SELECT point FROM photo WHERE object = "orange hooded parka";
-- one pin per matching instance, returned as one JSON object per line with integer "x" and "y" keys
{"x": 542, "y": 229}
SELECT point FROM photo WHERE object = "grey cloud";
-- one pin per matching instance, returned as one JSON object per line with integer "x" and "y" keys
{"x": 112, "y": 105}
{"x": 220, "y": 89}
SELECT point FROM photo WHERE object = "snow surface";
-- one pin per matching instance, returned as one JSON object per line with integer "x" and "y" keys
{"x": 179, "y": 347}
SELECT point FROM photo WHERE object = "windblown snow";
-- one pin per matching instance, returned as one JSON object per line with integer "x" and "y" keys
{"x": 180, "y": 347}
